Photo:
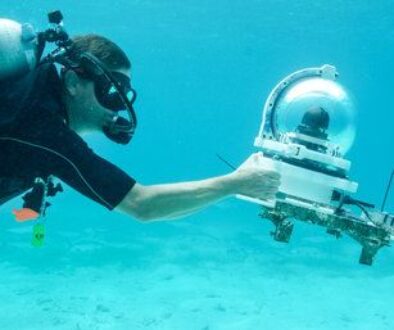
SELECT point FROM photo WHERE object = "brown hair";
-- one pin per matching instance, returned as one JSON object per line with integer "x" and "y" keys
{"x": 104, "y": 49}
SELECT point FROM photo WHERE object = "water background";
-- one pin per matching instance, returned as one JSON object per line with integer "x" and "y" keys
{"x": 203, "y": 70}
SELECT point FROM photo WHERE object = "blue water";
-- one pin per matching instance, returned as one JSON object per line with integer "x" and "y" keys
{"x": 203, "y": 70}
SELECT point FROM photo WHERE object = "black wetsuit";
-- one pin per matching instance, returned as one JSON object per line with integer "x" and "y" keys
{"x": 35, "y": 141}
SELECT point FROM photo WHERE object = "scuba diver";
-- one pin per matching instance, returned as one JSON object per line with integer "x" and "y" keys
{"x": 84, "y": 86}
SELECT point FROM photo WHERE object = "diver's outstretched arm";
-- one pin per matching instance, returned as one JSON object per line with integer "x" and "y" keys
{"x": 166, "y": 201}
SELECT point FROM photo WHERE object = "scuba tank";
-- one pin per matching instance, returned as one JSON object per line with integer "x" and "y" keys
{"x": 19, "y": 48}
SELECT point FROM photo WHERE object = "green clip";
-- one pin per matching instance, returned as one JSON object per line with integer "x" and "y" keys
{"x": 38, "y": 235}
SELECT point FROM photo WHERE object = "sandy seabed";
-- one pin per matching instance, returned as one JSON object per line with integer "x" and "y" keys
{"x": 190, "y": 276}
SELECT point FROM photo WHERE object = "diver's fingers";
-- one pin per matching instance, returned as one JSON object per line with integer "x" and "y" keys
{"x": 274, "y": 175}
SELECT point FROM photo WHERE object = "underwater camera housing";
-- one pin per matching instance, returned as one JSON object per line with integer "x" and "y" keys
{"x": 307, "y": 127}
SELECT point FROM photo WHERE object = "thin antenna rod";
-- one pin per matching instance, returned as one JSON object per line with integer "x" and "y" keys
{"x": 387, "y": 191}
{"x": 226, "y": 162}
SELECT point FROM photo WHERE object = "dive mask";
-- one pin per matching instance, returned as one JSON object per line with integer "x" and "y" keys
{"x": 114, "y": 92}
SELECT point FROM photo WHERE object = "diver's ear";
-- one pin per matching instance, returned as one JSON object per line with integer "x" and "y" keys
{"x": 71, "y": 82}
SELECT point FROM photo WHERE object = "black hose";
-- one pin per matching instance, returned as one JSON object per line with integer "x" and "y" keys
{"x": 226, "y": 162}
{"x": 387, "y": 191}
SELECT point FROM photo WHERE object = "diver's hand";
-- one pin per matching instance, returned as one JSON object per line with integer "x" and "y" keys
{"x": 253, "y": 180}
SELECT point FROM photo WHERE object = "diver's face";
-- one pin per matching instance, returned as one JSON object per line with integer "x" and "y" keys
{"x": 94, "y": 115}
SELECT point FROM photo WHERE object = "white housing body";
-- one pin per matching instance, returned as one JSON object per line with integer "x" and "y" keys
{"x": 305, "y": 184}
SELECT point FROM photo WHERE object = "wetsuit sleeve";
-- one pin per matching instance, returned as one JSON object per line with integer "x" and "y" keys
{"x": 61, "y": 152}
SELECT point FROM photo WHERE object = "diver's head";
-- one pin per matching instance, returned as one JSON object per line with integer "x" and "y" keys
{"x": 91, "y": 105}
